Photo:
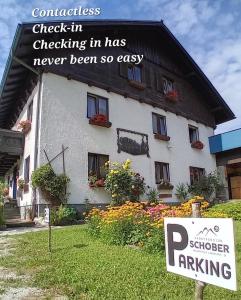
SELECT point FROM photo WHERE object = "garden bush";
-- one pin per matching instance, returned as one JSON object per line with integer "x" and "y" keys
{"x": 2, "y": 222}
{"x": 52, "y": 186}
{"x": 63, "y": 215}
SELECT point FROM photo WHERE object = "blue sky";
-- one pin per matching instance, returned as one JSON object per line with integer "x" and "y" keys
{"x": 210, "y": 30}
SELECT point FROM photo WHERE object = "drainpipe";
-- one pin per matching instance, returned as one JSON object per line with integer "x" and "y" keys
{"x": 36, "y": 142}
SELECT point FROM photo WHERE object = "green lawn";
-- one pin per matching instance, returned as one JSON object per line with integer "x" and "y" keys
{"x": 84, "y": 268}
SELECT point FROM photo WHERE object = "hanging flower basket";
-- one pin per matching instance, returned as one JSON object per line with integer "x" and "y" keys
{"x": 100, "y": 120}
{"x": 197, "y": 145}
{"x": 161, "y": 137}
{"x": 5, "y": 191}
{"x": 25, "y": 126}
{"x": 172, "y": 96}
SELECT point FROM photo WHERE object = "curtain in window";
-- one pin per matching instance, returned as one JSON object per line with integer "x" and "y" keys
{"x": 166, "y": 172}
{"x": 102, "y": 106}
{"x": 26, "y": 169}
{"x": 134, "y": 73}
{"x": 102, "y": 160}
{"x": 92, "y": 165}
{"x": 167, "y": 86}
{"x": 162, "y": 123}
{"x": 91, "y": 107}
{"x": 154, "y": 123}
{"x": 158, "y": 172}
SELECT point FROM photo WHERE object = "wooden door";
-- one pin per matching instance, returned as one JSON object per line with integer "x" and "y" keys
{"x": 236, "y": 187}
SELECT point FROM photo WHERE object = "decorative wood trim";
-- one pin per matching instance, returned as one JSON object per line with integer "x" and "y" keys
{"x": 161, "y": 137}
{"x": 102, "y": 124}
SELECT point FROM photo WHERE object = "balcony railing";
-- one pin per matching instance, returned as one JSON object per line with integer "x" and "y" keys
{"x": 225, "y": 141}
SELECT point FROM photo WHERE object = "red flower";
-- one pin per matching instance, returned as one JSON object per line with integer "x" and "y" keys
{"x": 172, "y": 95}
{"x": 99, "y": 118}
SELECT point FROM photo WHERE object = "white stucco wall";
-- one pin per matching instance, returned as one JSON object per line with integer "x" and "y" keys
{"x": 25, "y": 198}
{"x": 64, "y": 121}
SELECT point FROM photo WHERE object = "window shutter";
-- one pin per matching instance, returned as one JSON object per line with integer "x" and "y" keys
{"x": 123, "y": 67}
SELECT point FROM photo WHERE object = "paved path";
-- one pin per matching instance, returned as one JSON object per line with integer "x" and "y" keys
{"x": 21, "y": 230}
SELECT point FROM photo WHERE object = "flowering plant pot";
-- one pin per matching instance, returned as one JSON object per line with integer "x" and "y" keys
{"x": 5, "y": 191}
{"x": 25, "y": 126}
{"x": 161, "y": 137}
{"x": 172, "y": 96}
{"x": 164, "y": 185}
{"x": 94, "y": 182}
{"x": 100, "y": 120}
{"x": 21, "y": 183}
{"x": 197, "y": 145}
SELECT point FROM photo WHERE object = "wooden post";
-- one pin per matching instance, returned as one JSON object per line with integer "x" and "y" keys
{"x": 199, "y": 285}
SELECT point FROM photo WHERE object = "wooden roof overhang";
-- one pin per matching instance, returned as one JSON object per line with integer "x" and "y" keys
{"x": 18, "y": 81}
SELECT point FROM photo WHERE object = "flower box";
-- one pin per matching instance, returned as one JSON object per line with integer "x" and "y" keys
{"x": 165, "y": 185}
{"x": 161, "y": 137}
{"x": 172, "y": 96}
{"x": 197, "y": 145}
{"x": 137, "y": 84}
{"x": 25, "y": 126}
{"x": 100, "y": 120}
{"x": 96, "y": 183}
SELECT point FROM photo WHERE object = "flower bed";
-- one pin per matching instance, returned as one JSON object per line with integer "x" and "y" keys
{"x": 138, "y": 224}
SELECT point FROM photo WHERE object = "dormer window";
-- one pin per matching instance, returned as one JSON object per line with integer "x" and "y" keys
{"x": 135, "y": 73}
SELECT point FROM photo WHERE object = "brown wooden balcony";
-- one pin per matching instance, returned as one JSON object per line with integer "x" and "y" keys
{"x": 11, "y": 148}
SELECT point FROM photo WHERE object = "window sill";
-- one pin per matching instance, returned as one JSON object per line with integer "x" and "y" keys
{"x": 102, "y": 124}
{"x": 137, "y": 84}
{"x": 161, "y": 137}
{"x": 197, "y": 145}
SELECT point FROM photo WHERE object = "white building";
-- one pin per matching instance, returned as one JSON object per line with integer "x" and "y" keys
{"x": 166, "y": 96}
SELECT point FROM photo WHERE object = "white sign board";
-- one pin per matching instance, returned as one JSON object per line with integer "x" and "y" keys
{"x": 47, "y": 215}
{"x": 201, "y": 249}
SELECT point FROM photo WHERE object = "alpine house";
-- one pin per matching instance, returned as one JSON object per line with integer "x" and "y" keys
{"x": 158, "y": 113}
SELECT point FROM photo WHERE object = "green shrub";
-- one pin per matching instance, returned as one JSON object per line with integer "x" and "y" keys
{"x": 63, "y": 215}
{"x": 182, "y": 192}
{"x": 51, "y": 185}
{"x": 2, "y": 222}
{"x": 94, "y": 225}
{"x": 207, "y": 186}
{"x": 117, "y": 233}
{"x": 232, "y": 209}
{"x": 153, "y": 196}
{"x": 155, "y": 241}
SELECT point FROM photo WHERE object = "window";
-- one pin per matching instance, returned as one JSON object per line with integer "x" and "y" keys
{"x": 96, "y": 165}
{"x": 135, "y": 73}
{"x": 196, "y": 174}
{"x": 97, "y": 105}
{"x": 193, "y": 134}
{"x": 30, "y": 111}
{"x": 162, "y": 172}
{"x": 168, "y": 85}
{"x": 159, "y": 124}
{"x": 26, "y": 169}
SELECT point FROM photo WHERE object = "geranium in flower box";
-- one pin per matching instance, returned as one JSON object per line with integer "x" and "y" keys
{"x": 172, "y": 96}
{"x": 165, "y": 185}
{"x": 197, "y": 145}
{"x": 25, "y": 126}
{"x": 100, "y": 120}
{"x": 94, "y": 182}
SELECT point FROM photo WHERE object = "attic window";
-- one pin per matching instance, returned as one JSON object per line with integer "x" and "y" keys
{"x": 168, "y": 85}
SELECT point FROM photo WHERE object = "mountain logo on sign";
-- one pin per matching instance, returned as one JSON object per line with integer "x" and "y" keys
{"x": 206, "y": 232}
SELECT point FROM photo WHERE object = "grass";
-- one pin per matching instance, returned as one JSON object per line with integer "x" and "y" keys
{"x": 84, "y": 268}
